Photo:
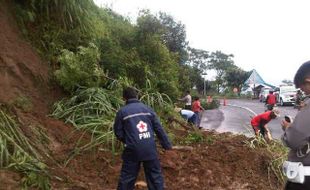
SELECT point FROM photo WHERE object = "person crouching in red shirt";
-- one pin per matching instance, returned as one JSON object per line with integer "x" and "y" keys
{"x": 259, "y": 123}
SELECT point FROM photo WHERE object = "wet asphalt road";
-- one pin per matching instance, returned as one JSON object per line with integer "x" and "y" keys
{"x": 236, "y": 115}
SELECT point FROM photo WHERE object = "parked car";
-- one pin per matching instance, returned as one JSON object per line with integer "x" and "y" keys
{"x": 286, "y": 95}
{"x": 263, "y": 94}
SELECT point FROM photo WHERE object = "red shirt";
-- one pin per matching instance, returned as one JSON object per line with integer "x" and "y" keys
{"x": 261, "y": 119}
{"x": 196, "y": 106}
{"x": 271, "y": 99}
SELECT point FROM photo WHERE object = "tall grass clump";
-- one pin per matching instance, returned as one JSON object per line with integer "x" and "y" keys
{"x": 92, "y": 110}
{"x": 17, "y": 153}
{"x": 158, "y": 101}
{"x": 54, "y": 25}
{"x": 67, "y": 14}
{"x": 278, "y": 154}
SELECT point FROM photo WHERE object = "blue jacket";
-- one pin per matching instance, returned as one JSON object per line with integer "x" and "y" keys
{"x": 134, "y": 125}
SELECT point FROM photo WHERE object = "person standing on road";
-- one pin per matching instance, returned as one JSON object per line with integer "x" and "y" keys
{"x": 135, "y": 125}
{"x": 187, "y": 99}
{"x": 297, "y": 133}
{"x": 196, "y": 108}
{"x": 271, "y": 100}
{"x": 259, "y": 123}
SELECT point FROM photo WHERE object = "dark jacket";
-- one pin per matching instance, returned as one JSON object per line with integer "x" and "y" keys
{"x": 135, "y": 124}
{"x": 297, "y": 136}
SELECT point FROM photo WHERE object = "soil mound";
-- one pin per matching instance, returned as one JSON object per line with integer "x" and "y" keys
{"x": 223, "y": 164}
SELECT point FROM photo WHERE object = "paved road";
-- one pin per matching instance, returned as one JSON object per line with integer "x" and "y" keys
{"x": 235, "y": 117}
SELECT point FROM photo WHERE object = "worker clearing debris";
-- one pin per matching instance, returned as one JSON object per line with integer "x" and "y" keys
{"x": 259, "y": 123}
{"x": 188, "y": 115}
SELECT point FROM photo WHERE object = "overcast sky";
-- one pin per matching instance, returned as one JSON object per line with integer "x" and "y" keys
{"x": 271, "y": 36}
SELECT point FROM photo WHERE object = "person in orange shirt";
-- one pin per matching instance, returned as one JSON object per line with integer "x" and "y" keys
{"x": 259, "y": 123}
{"x": 196, "y": 108}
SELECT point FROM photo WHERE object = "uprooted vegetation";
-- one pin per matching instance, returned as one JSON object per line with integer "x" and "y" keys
{"x": 50, "y": 139}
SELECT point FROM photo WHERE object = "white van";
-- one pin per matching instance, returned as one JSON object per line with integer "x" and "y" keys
{"x": 286, "y": 94}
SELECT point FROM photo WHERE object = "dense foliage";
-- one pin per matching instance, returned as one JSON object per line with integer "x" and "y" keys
{"x": 155, "y": 48}
{"x": 72, "y": 73}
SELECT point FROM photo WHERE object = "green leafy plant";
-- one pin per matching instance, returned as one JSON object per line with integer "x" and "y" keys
{"x": 215, "y": 103}
{"x": 73, "y": 73}
{"x": 230, "y": 94}
{"x": 194, "y": 137}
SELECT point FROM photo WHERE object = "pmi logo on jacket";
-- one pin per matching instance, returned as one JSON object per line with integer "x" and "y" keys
{"x": 142, "y": 128}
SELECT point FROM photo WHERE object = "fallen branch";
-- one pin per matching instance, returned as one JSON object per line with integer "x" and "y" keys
{"x": 186, "y": 148}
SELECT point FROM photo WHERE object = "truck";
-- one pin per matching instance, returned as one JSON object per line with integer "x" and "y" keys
{"x": 285, "y": 94}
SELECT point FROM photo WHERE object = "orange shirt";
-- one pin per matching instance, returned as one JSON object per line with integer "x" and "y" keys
{"x": 196, "y": 106}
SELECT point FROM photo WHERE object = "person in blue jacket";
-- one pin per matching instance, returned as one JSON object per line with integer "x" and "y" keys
{"x": 136, "y": 125}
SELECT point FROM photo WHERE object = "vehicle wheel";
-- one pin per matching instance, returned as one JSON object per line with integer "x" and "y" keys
{"x": 281, "y": 102}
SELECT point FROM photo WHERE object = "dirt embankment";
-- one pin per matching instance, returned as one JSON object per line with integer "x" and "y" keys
{"x": 22, "y": 72}
{"x": 223, "y": 164}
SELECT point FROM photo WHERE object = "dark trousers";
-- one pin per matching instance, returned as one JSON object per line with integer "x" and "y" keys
{"x": 130, "y": 170}
{"x": 297, "y": 186}
{"x": 193, "y": 119}
{"x": 188, "y": 107}
{"x": 270, "y": 107}
{"x": 261, "y": 129}
{"x": 197, "y": 119}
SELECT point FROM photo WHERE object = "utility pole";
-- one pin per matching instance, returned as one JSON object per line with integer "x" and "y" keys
{"x": 204, "y": 86}
{"x": 204, "y": 74}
